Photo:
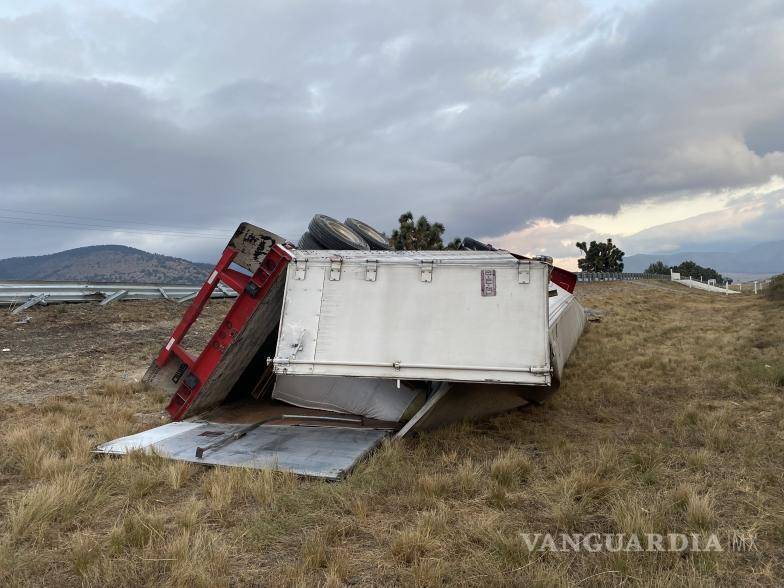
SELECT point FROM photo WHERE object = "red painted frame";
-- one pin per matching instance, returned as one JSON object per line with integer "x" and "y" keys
{"x": 251, "y": 291}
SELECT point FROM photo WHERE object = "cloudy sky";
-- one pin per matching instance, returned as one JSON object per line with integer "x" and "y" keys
{"x": 531, "y": 123}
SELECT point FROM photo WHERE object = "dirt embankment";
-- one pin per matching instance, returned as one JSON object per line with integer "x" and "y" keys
{"x": 72, "y": 348}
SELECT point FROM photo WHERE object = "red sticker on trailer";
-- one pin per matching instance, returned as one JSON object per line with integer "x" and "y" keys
{"x": 488, "y": 282}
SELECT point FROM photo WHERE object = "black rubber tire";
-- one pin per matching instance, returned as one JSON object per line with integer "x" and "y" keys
{"x": 333, "y": 234}
{"x": 309, "y": 242}
{"x": 372, "y": 237}
{"x": 474, "y": 245}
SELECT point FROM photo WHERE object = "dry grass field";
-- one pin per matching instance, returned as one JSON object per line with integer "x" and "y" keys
{"x": 671, "y": 419}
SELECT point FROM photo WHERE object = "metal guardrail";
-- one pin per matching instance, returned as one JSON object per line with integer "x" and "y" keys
{"x": 700, "y": 285}
{"x": 613, "y": 276}
{"x": 23, "y": 295}
{"x": 754, "y": 286}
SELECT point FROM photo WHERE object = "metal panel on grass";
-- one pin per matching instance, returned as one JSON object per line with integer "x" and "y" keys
{"x": 320, "y": 452}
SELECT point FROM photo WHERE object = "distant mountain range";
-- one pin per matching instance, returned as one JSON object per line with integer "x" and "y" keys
{"x": 118, "y": 263}
{"x": 105, "y": 263}
{"x": 764, "y": 259}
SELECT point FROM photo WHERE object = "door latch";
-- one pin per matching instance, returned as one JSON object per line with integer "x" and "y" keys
{"x": 426, "y": 271}
{"x": 371, "y": 269}
{"x": 300, "y": 267}
{"x": 523, "y": 272}
{"x": 335, "y": 264}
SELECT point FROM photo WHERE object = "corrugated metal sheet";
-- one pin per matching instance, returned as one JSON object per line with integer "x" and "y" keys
{"x": 321, "y": 452}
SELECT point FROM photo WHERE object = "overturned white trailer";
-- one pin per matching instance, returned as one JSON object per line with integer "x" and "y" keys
{"x": 326, "y": 353}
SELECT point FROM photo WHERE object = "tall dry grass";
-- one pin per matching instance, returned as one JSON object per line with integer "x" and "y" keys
{"x": 669, "y": 420}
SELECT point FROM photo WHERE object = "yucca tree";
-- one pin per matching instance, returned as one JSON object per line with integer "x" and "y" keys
{"x": 600, "y": 257}
{"x": 419, "y": 235}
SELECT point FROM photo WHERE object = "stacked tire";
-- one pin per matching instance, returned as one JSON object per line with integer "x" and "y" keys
{"x": 470, "y": 244}
{"x": 375, "y": 240}
{"x": 307, "y": 241}
{"x": 325, "y": 232}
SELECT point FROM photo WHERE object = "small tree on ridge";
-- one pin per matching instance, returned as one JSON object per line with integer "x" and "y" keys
{"x": 600, "y": 257}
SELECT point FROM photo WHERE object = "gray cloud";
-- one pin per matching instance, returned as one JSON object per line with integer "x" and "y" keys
{"x": 755, "y": 219}
{"x": 482, "y": 115}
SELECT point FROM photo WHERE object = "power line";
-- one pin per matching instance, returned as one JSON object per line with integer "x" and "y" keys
{"x": 80, "y": 227}
{"x": 68, "y": 224}
{"x": 144, "y": 224}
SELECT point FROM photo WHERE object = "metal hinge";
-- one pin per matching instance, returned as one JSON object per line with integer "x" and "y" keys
{"x": 371, "y": 269}
{"x": 335, "y": 264}
{"x": 523, "y": 272}
{"x": 426, "y": 271}
{"x": 300, "y": 267}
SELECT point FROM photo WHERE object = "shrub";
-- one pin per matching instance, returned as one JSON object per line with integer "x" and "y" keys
{"x": 776, "y": 289}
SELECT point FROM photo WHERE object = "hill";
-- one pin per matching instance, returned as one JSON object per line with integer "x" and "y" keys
{"x": 764, "y": 259}
{"x": 105, "y": 263}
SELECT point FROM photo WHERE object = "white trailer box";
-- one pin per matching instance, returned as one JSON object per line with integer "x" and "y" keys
{"x": 456, "y": 316}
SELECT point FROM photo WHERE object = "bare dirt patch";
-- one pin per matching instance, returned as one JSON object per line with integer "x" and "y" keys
{"x": 70, "y": 348}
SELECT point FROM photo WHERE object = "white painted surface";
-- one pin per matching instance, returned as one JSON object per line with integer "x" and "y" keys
{"x": 370, "y": 397}
{"x": 400, "y": 327}
{"x": 567, "y": 322}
